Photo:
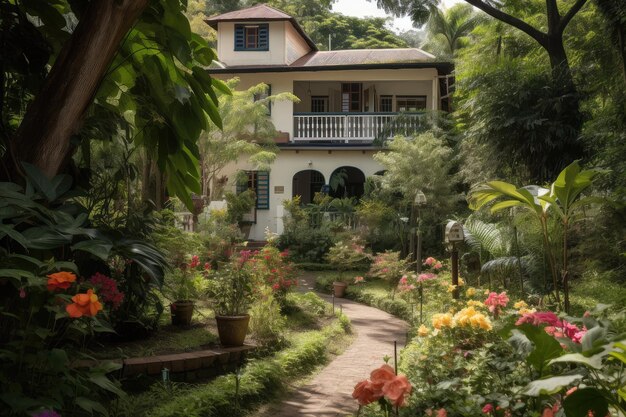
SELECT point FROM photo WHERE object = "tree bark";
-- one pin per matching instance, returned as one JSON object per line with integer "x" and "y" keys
{"x": 43, "y": 138}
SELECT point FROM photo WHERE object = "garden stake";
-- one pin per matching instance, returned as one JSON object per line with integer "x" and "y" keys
{"x": 395, "y": 356}
{"x": 165, "y": 375}
{"x": 421, "y": 292}
{"x": 333, "y": 303}
{"x": 237, "y": 381}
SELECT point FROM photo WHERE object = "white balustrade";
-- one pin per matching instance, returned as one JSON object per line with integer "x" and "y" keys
{"x": 347, "y": 127}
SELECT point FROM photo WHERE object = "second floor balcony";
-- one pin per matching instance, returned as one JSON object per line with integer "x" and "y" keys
{"x": 353, "y": 127}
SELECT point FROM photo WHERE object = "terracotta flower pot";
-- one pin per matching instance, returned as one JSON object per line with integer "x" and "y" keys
{"x": 339, "y": 289}
{"x": 181, "y": 312}
{"x": 232, "y": 329}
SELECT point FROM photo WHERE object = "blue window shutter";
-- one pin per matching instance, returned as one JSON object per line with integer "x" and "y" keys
{"x": 263, "y": 190}
{"x": 264, "y": 33}
{"x": 239, "y": 37}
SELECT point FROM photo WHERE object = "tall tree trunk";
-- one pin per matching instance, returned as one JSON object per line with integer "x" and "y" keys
{"x": 43, "y": 138}
{"x": 561, "y": 71}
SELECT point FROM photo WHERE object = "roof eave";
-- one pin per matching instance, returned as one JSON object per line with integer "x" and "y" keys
{"x": 442, "y": 67}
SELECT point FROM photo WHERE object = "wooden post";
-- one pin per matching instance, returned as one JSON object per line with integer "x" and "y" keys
{"x": 454, "y": 259}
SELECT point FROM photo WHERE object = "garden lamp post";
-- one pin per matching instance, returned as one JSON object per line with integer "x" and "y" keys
{"x": 454, "y": 234}
{"x": 420, "y": 200}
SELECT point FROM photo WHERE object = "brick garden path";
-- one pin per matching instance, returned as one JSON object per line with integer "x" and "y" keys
{"x": 328, "y": 394}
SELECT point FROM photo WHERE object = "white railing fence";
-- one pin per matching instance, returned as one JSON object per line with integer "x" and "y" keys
{"x": 352, "y": 127}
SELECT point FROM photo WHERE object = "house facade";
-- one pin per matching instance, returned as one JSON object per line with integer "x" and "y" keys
{"x": 348, "y": 99}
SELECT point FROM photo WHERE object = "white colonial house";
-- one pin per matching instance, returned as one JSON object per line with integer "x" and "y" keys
{"x": 348, "y": 98}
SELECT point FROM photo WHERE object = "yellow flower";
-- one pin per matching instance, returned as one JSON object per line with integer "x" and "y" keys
{"x": 520, "y": 304}
{"x": 486, "y": 292}
{"x": 423, "y": 331}
{"x": 451, "y": 288}
{"x": 524, "y": 310}
{"x": 474, "y": 303}
{"x": 442, "y": 320}
{"x": 481, "y": 321}
{"x": 469, "y": 317}
{"x": 461, "y": 282}
{"x": 471, "y": 291}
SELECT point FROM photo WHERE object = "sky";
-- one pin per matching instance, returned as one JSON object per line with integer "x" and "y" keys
{"x": 362, "y": 8}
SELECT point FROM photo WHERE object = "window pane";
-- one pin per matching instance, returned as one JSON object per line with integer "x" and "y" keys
{"x": 410, "y": 103}
{"x": 252, "y": 37}
{"x": 386, "y": 104}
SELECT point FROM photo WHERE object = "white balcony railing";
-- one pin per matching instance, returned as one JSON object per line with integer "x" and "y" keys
{"x": 352, "y": 127}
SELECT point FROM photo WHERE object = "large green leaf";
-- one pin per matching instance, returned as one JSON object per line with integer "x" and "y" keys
{"x": 98, "y": 247}
{"x": 45, "y": 238}
{"x": 90, "y": 406}
{"x": 583, "y": 400}
{"x": 39, "y": 181}
{"x": 7, "y": 229}
{"x": 546, "y": 347}
{"x": 550, "y": 385}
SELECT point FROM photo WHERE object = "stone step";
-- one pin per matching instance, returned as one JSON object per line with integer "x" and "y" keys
{"x": 185, "y": 362}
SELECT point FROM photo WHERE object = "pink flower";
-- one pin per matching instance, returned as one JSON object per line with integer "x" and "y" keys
{"x": 488, "y": 408}
{"x": 403, "y": 280}
{"x": 22, "y": 293}
{"x": 438, "y": 266}
{"x": 571, "y": 391}
{"x": 429, "y": 412}
{"x": 495, "y": 300}
{"x": 207, "y": 266}
{"x": 540, "y": 317}
{"x": 426, "y": 277}
{"x": 358, "y": 279}
{"x": 430, "y": 261}
{"x": 442, "y": 412}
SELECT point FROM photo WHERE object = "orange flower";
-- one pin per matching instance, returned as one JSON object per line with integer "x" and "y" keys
{"x": 397, "y": 390}
{"x": 84, "y": 305}
{"x": 382, "y": 375}
{"x": 60, "y": 280}
{"x": 365, "y": 393}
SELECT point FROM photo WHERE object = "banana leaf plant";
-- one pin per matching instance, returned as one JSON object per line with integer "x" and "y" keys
{"x": 564, "y": 198}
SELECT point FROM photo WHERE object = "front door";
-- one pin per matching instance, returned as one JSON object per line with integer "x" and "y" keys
{"x": 351, "y": 97}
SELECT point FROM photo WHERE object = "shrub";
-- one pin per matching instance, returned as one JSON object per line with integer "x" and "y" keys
{"x": 306, "y": 244}
{"x": 267, "y": 325}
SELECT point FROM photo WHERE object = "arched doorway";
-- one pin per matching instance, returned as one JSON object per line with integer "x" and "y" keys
{"x": 306, "y": 184}
{"x": 347, "y": 181}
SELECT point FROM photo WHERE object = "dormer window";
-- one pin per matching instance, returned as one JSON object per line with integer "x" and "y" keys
{"x": 252, "y": 37}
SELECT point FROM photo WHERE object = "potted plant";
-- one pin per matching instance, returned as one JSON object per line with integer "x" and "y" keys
{"x": 231, "y": 294}
{"x": 346, "y": 256}
{"x": 182, "y": 287}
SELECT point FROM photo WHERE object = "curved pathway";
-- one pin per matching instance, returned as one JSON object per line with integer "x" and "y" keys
{"x": 329, "y": 393}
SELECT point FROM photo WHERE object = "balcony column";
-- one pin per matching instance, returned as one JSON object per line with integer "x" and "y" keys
{"x": 435, "y": 95}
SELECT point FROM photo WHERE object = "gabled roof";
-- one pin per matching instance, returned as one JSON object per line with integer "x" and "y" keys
{"x": 261, "y": 12}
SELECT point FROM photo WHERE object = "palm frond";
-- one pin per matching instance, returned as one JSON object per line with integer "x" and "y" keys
{"x": 486, "y": 237}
